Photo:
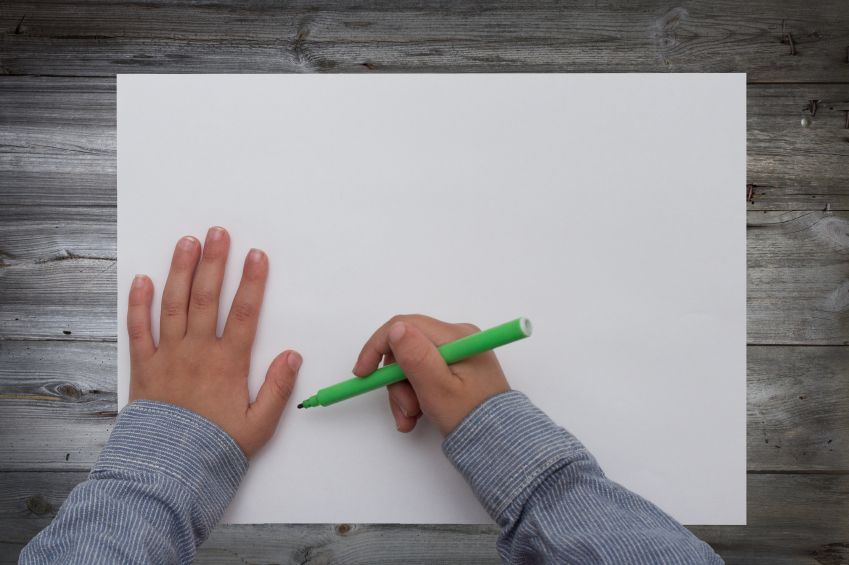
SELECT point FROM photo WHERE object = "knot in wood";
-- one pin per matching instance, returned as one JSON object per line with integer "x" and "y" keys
{"x": 39, "y": 505}
{"x": 69, "y": 391}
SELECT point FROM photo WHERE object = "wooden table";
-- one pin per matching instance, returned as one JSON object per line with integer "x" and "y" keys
{"x": 58, "y": 62}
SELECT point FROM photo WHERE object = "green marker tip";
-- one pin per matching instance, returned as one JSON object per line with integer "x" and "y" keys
{"x": 310, "y": 402}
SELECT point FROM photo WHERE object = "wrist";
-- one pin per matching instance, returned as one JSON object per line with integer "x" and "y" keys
{"x": 506, "y": 446}
{"x": 175, "y": 444}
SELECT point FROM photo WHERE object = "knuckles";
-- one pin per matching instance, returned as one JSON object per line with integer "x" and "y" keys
{"x": 202, "y": 299}
{"x": 243, "y": 311}
{"x": 283, "y": 387}
{"x": 400, "y": 318}
{"x": 454, "y": 330}
{"x": 172, "y": 309}
{"x": 137, "y": 331}
{"x": 414, "y": 356}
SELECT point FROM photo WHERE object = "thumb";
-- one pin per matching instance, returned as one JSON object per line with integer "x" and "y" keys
{"x": 418, "y": 357}
{"x": 275, "y": 391}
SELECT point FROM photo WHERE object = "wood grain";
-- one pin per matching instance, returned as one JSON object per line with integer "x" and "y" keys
{"x": 791, "y": 518}
{"x": 57, "y": 144}
{"x": 58, "y": 275}
{"x": 798, "y": 277}
{"x": 102, "y": 39}
{"x": 57, "y": 227}
{"x": 798, "y": 409}
{"x": 791, "y": 167}
{"x": 58, "y": 402}
{"x": 61, "y": 299}
{"x": 42, "y": 234}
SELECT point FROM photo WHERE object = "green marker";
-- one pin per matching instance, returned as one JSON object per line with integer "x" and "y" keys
{"x": 463, "y": 348}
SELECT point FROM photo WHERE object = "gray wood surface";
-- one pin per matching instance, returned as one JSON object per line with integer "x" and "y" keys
{"x": 60, "y": 405}
{"x": 101, "y": 39}
{"x": 58, "y": 248}
{"x": 58, "y": 141}
{"x": 59, "y": 275}
{"x": 790, "y": 519}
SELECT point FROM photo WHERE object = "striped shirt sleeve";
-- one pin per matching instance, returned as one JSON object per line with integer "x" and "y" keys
{"x": 162, "y": 481}
{"x": 550, "y": 498}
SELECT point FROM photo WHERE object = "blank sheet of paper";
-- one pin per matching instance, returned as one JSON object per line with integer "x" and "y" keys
{"x": 608, "y": 209}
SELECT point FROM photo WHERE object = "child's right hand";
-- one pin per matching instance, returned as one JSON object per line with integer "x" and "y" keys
{"x": 444, "y": 393}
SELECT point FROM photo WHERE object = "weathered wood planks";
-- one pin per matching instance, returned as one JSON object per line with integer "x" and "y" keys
{"x": 57, "y": 144}
{"x": 789, "y": 40}
{"x": 791, "y": 167}
{"x": 798, "y": 277}
{"x": 58, "y": 403}
{"x": 58, "y": 275}
{"x": 791, "y": 519}
{"x": 57, "y": 231}
{"x": 57, "y": 406}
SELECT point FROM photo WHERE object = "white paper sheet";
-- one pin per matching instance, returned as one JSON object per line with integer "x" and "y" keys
{"x": 606, "y": 208}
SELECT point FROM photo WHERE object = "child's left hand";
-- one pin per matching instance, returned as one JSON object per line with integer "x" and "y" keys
{"x": 194, "y": 368}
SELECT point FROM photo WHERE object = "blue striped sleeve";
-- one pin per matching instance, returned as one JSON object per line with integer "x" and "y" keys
{"x": 162, "y": 481}
{"x": 550, "y": 497}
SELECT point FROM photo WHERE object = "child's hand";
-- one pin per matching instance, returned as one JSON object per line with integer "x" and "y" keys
{"x": 193, "y": 367}
{"x": 445, "y": 393}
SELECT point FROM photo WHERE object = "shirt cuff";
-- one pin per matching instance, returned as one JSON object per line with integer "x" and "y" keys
{"x": 507, "y": 446}
{"x": 175, "y": 443}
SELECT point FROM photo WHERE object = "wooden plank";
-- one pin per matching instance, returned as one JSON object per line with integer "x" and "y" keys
{"x": 57, "y": 144}
{"x": 68, "y": 38}
{"x": 792, "y": 167}
{"x": 52, "y": 154}
{"x": 38, "y": 234}
{"x": 64, "y": 298}
{"x": 791, "y": 519}
{"x": 798, "y": 408}
{"x": 798, "y": 278}
{"x": 58, "y": 275}
{"x": 58, "y": 402}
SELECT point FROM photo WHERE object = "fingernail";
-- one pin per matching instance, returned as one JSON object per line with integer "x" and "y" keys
{"x": 255, "y": 255}
{"x": 216, "y": 233}
{"x": 138, "y": 281}
{"x": 295, "y": 361}
{"x": 394, "y": 400}
{"x": 187, "y": 243}
{"x": 396, "y": 332}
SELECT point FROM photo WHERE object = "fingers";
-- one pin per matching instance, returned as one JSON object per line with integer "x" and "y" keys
{"x": 388, "y": 359}
{"x": 240, "y": 329}
{"x": 178, "y": 287}
{"x": 404, "y": 405}
{"x": 275, "y": 392}
{"x": 206, "y": 288}
{"x": 138, "y": 319}
{"x": 403, "y": 423}
{"x": 423, "y": 366}
{"x": 377, "y": 347}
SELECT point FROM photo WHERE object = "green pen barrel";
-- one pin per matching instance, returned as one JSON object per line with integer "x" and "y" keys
{"x": 452, "y": 352}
